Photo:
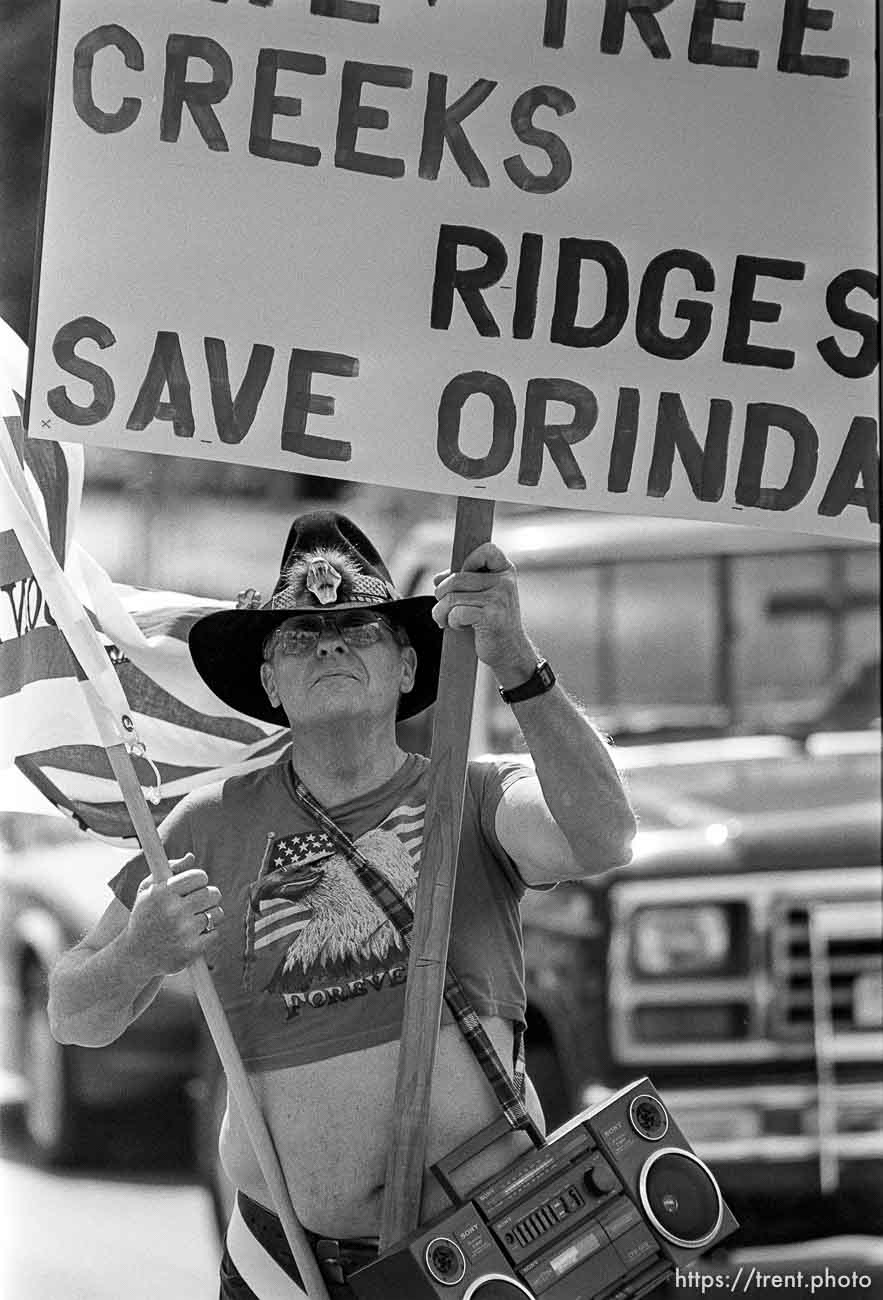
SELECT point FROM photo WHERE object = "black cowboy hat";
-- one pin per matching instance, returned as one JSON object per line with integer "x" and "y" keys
{"x": 328, "y": 565}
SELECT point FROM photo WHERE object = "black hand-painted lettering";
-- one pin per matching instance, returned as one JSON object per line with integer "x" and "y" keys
{"x": 234, "y": 416}
{"x": 867, "y": 358}
{"x": 449, "y": 278}
{"x": 165, "y": 369}
{"x": 856, "y": 477}
{"x": 539, "y": 433}
{"x": 745, "y": 308}
{"x": 450, "y": 411}
{"x": 798, "y": 19}
{"x": 641, "y": 13}
{"x": 15, "y": 594}
{"x": 26, "y": 604}
{"x": 559, "y": 155}
{"x": 354, "y": 11}
{"x": 301, "y": 401}
{"x": 555, "y": 24}
{"x": 354, "y": 115}
{"x": 442, "y": 124}
{"x": 625, "y": 440}
{"x": 572, "y": 253}
{"x": 267, "y": 105}
{"x": 648, "y": 330}
{"x": 702, "y": 47}
{"x": 706, "y": 467}
{"x": 760, "y": 418}
{"x": 530, "y": 260}
{"x": 102, "y": 38}
{"x": 64, "y": 351}
{"x": 199, "y": 96}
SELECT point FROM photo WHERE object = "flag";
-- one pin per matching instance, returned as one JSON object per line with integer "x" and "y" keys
{"x": 180, "y": 734}
{"x": 276, "y": 912}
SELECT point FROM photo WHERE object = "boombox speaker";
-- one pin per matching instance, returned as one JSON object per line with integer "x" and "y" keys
{"x": 606, "y": 1209}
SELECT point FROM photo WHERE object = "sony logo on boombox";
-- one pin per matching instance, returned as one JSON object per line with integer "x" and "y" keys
{"x": 605, "y": 1209}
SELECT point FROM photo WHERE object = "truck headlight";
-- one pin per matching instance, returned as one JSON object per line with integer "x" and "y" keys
{"x": 683, "y": 940}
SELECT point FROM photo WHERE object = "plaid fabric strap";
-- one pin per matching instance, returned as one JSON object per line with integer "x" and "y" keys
{"x": 509, "y": 1094}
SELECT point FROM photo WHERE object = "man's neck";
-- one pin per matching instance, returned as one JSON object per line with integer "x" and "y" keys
{"x": 340, "y": 763}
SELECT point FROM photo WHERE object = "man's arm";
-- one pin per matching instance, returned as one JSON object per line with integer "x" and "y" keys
{"x": 573, "y": 819}
{"x": 100, "y": 986}
{"x": 113, "y": 974}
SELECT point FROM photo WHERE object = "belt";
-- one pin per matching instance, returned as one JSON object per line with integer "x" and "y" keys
{"x": 338, "y": 1257}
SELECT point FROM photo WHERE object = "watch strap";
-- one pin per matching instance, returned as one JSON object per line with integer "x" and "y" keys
{"x": 542, "y": 679}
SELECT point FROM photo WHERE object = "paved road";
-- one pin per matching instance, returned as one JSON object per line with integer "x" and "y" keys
{"x": 90, "y": 1238}
{"x": 834, "y": 1268}
{"x": 135, "y": 1227}
{"x": 132, "y": 1227}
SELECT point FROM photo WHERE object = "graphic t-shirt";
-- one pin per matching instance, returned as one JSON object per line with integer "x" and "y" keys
{"x": 309, "y": 966}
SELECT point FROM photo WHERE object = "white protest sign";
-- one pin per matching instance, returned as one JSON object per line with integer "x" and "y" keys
{"x": 617, "y": 255}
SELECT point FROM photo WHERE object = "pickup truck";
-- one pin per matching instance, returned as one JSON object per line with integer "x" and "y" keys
{"x": 737, "y": 958}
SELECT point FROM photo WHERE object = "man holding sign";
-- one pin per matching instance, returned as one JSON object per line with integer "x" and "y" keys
{"x": 299, "y": 907}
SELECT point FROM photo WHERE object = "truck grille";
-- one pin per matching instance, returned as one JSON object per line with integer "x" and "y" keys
{"x": 850, "y": 958}
{"x": 805, "y": 980}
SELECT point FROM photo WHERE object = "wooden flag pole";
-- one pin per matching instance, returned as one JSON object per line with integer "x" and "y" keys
{"x": 222, "y": 1036}
{"x": 109, "y": 708}
{"x": 434, "y": 901}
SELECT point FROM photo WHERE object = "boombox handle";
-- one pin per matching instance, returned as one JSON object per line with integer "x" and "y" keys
{"x": 485, "y": 1137}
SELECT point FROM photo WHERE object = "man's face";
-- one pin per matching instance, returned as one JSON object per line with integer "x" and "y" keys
{"x": 332, "y": 667}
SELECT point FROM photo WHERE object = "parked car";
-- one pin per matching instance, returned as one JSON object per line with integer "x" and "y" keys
{"x": 737, "y": 959}
{"x": 52, "y": 889}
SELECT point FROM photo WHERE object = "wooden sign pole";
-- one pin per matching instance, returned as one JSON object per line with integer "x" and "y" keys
{"x": 434, "y": 901}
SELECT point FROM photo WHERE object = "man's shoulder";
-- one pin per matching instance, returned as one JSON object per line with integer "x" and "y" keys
{"x": 478, "y": 769}
{"x": 500, "y": 761}
{"x": 502, "y": 768}
{"x": 238, "y": 788}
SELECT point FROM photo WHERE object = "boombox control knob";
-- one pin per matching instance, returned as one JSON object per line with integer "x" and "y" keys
{"x": 600, "y": 1179}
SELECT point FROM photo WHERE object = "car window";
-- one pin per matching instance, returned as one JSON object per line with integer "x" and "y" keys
{"x": 563, "y": 612}
{"x": 755, "y": 641}
{"x": 631, "y": 640}
{"x": 627, "y": 634}
{"x": 861, "y": 637}
{"x": 806, "y": 628}
{"x": 663, "y": 635}
{"x": 782, "y": 636}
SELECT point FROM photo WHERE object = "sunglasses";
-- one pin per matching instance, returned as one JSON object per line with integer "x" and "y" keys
{"x": 355, "y": 629}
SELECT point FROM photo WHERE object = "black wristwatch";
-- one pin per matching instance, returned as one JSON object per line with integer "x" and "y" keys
{"x": 542, "y": 679}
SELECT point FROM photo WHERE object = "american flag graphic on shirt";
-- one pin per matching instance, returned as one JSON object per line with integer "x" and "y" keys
{"x": 407, "y": 823}
{"x": 280, "y": 899}
{"x": 274, "y": 917}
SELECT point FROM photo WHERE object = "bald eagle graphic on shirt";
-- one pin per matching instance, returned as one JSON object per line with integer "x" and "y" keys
{"x": 310, "y": 912}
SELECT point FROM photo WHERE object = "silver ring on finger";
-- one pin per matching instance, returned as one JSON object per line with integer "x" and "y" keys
{"x": 209, "y": 923}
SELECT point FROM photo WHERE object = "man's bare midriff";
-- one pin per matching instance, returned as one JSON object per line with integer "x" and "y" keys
{"x": 332, "y": 1124}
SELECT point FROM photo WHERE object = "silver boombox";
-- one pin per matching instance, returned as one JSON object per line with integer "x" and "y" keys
{"x": 606, "y": 1210}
